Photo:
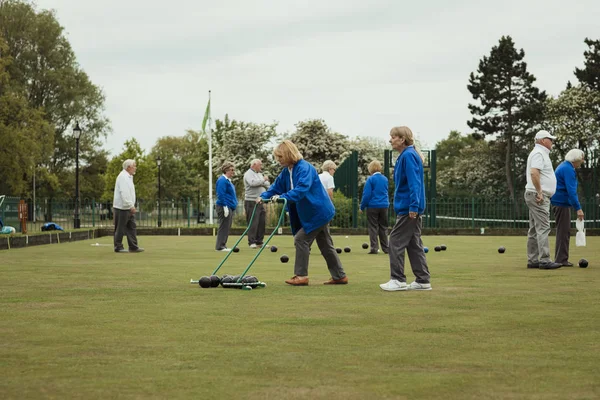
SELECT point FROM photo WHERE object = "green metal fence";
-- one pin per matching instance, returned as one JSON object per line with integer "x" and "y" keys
{"x": 450, "y": 213}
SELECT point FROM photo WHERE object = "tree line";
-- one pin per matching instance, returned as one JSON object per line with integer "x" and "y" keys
{"x": 44, "y": 92}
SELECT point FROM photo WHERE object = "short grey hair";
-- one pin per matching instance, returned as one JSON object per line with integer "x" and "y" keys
{"x": 328, "y": 166}
{"x": 255, "y": 161}
{"x": 575, "y": 155}
{"x": 128, "y": 163}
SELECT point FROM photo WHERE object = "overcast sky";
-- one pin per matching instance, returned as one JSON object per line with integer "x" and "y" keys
{"x": 363, "y": 66}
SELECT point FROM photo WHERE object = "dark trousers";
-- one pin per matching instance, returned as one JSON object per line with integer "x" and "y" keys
{"x": 406, "y": 236}
{"x": 256, "y": 233}
{"x": 303, "y": 241}
{"x": 224, "y": 227}
{"x": 125, "y": 225}
{"x": 562, "y": 216}
{"x": 377, "y": 224}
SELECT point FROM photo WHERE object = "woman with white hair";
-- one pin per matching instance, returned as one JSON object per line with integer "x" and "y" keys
{"x": 326, "y": 177}
{"x": 563, "y": 199}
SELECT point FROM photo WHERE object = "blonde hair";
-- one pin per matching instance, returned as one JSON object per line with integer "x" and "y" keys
{"x": 227, "y": 165}
{"x": 409, "y": 139}
{"x": 403, "y": 132}
{"x": 287, "y": 152}
{"x": 328, "y": 166}
{"x": 374, "y": 166}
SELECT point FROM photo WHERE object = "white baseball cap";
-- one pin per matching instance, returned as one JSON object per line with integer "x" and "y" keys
{"x": 543, "y": 135}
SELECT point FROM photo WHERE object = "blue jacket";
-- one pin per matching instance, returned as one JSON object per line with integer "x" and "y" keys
{"x": 375, "y": 193}
{"x": 226, "y": 193}
{"x": 566, "y": 187}
{"x": 408, "y": 178}
{"x": 309, "y": 204}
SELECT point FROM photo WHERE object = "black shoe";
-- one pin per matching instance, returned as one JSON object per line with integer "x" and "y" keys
{"x": 567, "y": 264}
{"x": 550, "y": 265}
{"x": 121, "y": 251}
{"x": 138, "y": 250}
{"x": 373, "y": 252}
{"x": 533, "y": 265}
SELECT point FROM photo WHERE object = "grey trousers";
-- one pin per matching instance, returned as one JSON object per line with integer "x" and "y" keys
{"x": 256, "y": 233}
{"x": 303, "y": 241}
{"x": 562, "y": 216}
{"x": 538, "y": 247}
{"x": 377, "y": 224}
{"x": 125, "y": 225}
{"x": 406, "y": 236}
{"x": 224, "y": 227}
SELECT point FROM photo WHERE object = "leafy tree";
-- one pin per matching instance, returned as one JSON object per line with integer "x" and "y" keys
{"x": 240, "y": 142}
{"x": 45, "y": 72}
{"x": 510, "y": 108}
{"x": 24, "y": 135}
{"x": 476, "y": 171}
{"x": 183, "y": 172}
{"x": 590, "y": 74}
{"x": 448, "y": 150}
{"x": 318, "y": 143}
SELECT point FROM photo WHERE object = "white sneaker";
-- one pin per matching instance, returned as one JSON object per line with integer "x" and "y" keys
{"x": 224, "y": 249}
{"x": 393, "y": 285}
{"x": 253, "y": 246}
{"x": 419, "y": 286}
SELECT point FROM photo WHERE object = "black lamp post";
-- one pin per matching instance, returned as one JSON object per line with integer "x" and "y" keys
{"x": 77, "y": 134}
{"x": 158, "y": 161}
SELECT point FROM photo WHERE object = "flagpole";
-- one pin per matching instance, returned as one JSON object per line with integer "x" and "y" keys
{"x": 210, "y": 173}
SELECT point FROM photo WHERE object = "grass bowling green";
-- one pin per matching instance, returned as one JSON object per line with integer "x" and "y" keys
{"x": 81, "y": 321}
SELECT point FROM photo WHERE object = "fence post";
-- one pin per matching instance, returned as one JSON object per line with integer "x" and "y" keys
{"x": 472, "y": 212}
{"x": 93, "y": 212}
{"x": 189, "y": 210}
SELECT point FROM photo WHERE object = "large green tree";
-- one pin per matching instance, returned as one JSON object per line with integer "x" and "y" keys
{"x": 183, "y": 171}
{"x": 590, "y": 74}
{"x": 509, "y": 107}
{"x": 318, "y": 143}
{"x": 24, "y": 134}
{"x": 45, "y": 72}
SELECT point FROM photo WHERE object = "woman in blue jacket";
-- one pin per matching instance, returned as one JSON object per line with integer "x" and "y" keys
{"x": 563, "y": 199}
{"x": 226, "y": 205}
{"x": 409, "y": 205}
{"x": 310, "y": 210}
{"x": 375, "y": 200}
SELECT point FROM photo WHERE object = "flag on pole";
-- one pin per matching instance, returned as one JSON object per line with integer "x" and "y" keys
{"x": 206, "y": 116}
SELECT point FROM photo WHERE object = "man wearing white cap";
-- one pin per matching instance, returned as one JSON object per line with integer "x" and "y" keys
{"x": 541, "y": 185}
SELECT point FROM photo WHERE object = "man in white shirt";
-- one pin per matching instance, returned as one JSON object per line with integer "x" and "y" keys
{"x": 255, "y": 183}
{"x": 541, "y": 185}
{"x": 124, "y": 209}
{"x": 326, "y": 177}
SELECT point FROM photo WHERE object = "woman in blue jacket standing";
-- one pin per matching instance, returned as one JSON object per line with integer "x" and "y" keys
{"x": 310, "y": 211}
{"x": 409, "y": 205}
{"x": 563, "y": 199}
{"x": 375, "y": 200}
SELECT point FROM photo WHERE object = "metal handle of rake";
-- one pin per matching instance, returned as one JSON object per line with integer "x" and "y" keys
{"x": 280, "y": 200}
{"x": 238, "y": 241}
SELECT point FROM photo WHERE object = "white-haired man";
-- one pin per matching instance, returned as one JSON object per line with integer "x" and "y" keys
{"x": 541, "y": 185}
{"x": 562, "y": 201}
{"x": 255, "y": 183}
{"x": 124, "y": 209}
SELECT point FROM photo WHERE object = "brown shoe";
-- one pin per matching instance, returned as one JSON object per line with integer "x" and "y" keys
{"x": 341, "y": 281}
{"x": 298, "y": 281}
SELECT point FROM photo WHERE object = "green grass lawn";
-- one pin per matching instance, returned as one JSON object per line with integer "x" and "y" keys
{"x": 80, "y": 321}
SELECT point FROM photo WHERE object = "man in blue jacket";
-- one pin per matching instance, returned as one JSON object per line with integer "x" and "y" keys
{"x": 563, "y": 199}
{"x": 409, "y": 205}
{"x": 226, "y": 205}
{"x": 310, "y": 210}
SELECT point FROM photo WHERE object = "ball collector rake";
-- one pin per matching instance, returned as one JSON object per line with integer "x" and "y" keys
{"x": 238, "y": 284}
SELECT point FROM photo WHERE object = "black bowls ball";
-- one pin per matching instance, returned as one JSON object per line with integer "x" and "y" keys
{"x": 284, "y": 258}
